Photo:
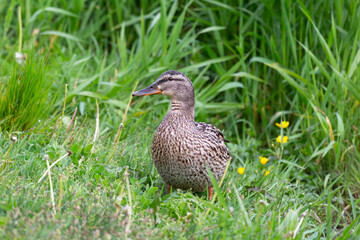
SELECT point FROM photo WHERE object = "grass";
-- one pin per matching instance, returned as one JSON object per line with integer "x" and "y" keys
{"x": 24, "y": 100}
{"x": 253, "y": 63}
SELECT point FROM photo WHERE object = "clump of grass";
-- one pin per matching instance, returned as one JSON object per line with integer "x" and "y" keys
{"x": 24, "y": 99}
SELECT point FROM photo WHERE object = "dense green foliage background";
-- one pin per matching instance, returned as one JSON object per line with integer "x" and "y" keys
{"x": 252, "y": 63}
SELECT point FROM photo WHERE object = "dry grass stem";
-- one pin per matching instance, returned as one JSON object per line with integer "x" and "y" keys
{"x": 52, "y": 166}
{"x": 51, "y": 186}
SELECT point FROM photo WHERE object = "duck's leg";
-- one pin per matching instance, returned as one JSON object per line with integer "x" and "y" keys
{"x": 168, "y": 188}
{"x": 210, "y": 190}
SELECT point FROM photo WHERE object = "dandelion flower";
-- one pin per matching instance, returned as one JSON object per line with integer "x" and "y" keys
{"x": 283, "y": 124}
{"x": 284, "y": 139}
{"x": 241, "y": 170}
{"x": 266, "y": 173}
{"x": 263, "y": 160}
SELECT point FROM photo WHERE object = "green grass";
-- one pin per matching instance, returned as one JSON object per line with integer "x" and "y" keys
{"x": 253, "y": 63}
{"x": 25, "y": 95}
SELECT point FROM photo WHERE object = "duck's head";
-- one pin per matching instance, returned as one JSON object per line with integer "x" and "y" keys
{"x": 175, "y": 85}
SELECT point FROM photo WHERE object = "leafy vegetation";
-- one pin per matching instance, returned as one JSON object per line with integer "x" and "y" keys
{"x": 252, "y": 63}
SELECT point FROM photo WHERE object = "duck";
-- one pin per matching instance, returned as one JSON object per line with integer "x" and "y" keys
{"x": 183, "y": 149}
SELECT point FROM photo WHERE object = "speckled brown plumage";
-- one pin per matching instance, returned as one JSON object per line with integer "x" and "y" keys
{"x": 182, "y": 148}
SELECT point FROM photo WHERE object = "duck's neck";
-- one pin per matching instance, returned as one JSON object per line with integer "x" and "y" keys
{"x": 185, "y": 108}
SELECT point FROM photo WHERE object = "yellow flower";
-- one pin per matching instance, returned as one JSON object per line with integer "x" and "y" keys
{"x": 284, "y": 140}
{"x": 283, "y": 124}
{"x": 263, "y": 160}
{"x": 266, "y": 173}
{"x": 241, "y": 170}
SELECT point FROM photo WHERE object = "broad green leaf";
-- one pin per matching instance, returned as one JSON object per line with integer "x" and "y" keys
{"x": 61, "y": 34}
{"x": 54, "y": 10}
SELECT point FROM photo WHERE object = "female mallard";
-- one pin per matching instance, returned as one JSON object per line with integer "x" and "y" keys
{"x": 182, "y": 148}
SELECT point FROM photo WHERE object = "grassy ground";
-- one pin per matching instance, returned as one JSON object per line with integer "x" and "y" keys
{"x": 253, "y": 64}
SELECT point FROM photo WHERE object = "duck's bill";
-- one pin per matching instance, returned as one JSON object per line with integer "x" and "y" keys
{"x": 151, "y": 90}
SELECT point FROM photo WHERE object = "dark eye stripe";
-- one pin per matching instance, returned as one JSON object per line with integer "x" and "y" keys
{"x": 162, "y": 81}
{"x": 173, "y": 79}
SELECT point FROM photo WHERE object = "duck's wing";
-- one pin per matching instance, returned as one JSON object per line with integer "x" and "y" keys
{"x": 214, "y": 149}
{"x": 210, "y": 130}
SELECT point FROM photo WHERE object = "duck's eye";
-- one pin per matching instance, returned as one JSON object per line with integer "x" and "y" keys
{"x": 170, "y": 78}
